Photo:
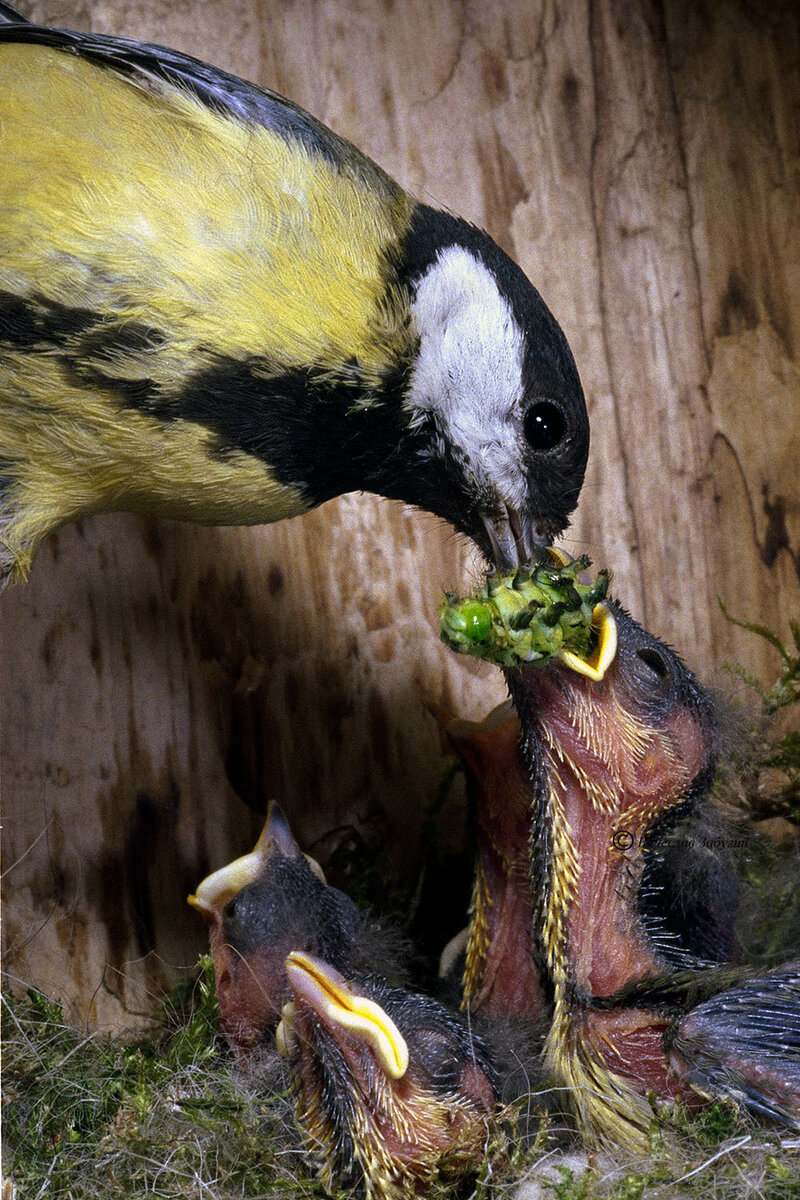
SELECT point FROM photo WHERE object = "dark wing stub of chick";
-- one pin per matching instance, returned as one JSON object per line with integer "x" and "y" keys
{"x": 393, "y": 1090}
{"x": 745, "y": 1044}
{"x": 532, "y": 615}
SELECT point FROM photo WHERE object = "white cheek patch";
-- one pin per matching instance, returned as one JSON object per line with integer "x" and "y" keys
{"x": 469, "y": 369}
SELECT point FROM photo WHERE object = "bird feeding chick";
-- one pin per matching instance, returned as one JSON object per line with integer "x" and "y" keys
{"x": 392, "y": 1089}
{"x": 213, "y": 308}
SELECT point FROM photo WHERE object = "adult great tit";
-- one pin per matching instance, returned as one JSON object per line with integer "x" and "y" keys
{"x": 213, "y": 308}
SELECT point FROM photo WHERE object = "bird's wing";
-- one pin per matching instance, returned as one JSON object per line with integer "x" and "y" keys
{"x": 9, "y": 15}
{"x": 151, "y": 67}
{"x": 136, "y": 160}
{"x": 179, "y": 251}
{"x": 745, "y": 1043}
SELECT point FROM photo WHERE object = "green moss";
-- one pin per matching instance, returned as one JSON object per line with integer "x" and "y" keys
{"x": 779, "y": 752}
{"x": 163, "y": 1114}
{"x": 166, "y": 1114}
{"x": 712, "y": 1126}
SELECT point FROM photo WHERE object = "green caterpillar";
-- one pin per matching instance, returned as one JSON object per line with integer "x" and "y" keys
{"x": 527, "y": 615}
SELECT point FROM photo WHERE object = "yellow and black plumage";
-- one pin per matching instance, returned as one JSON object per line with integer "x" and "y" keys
{"x": 215, "y": 309}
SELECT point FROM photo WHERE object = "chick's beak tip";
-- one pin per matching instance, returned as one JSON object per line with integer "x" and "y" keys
{"x": 203, "y": 907}
{"x": 596, "y": 665}
{"x": 327, "y": 992}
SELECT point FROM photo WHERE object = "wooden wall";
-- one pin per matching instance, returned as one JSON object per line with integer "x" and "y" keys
{"x": 160, "y": 682}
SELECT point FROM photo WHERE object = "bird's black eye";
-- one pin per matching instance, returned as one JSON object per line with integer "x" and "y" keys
{"x": 652, "y": 659}
{"x": 545, "y": 425}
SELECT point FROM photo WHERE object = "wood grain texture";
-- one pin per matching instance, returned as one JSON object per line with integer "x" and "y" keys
{"x": 159, "y": 682}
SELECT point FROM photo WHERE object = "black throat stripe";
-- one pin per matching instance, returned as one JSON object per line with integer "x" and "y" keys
{"x": 321, "y": 432}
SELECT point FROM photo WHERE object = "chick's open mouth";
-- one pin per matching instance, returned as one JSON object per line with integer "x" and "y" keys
{"x": 327, "y": 993}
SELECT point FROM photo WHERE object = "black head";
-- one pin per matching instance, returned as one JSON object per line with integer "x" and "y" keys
{"x": 258, "y": 909}
{"x": 493, "y": 403}
{"x": 292, "y": 909}
{"x": 655, "y": 679}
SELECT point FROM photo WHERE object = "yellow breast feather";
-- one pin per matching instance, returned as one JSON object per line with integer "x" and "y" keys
{"x": 145, "y": 238}
{"x": 155, "y": 206}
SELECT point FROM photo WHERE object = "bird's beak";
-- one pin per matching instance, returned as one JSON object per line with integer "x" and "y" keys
{"x": 605, "y": 628}
{"x": 513, "y": 539}
{"x": 323, "y": 989}
{"x": 218, "y": 888}
{"x": 221, "y": 886}
{"x": 595, "y": 666}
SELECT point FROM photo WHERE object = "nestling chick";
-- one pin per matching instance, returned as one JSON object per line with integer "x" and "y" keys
{"x": 213, "y": 308}
{"x": 262, "y": 906}
{"x": 632, "y": 907}
{"x": 596, "y": 788}
{"x": 616, "y": 765}
{"x": 393, "y": 1089}
{"x": 634, "y": 912}
{"x": 502, "y": 971}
